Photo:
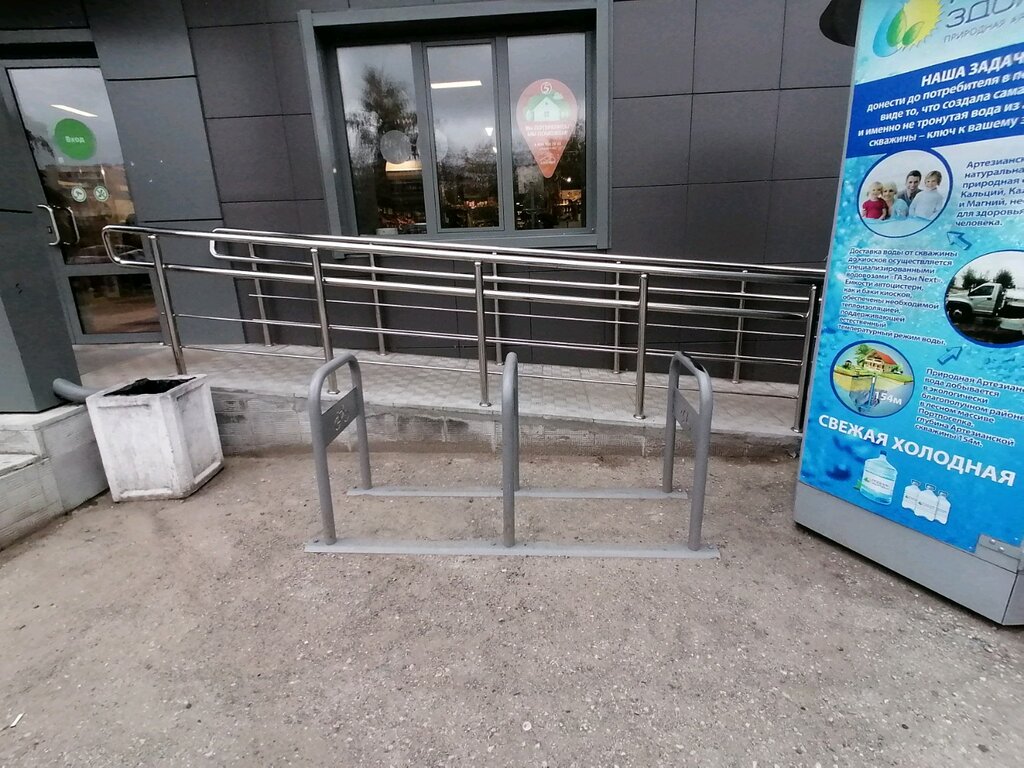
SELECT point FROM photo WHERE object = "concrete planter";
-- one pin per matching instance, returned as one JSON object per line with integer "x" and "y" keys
{"x": 157, "y": 437}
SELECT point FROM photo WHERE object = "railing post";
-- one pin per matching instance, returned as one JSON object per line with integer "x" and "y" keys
{"x": 617, "y": 357}
{"x": 165, "y": 299}
{"x": 381, "y": 346}
{"x": 641, "y": 348}
{"x": 497, "y": 315}
{"x": 509, "y": 448}
{"x": 481, "y": 333}
{"x": 321, "y": 310}
{"x": 258, "y": 285}
{"x": 801, "y": 394}
{"x": 739, "y": 333}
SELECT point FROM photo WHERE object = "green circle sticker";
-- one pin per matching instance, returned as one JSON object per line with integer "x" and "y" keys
{"x": 101, "y": 194}
{"x": 75, "y": 139}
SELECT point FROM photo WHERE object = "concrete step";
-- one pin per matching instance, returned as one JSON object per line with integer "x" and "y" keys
{"x": 29, "y": 498}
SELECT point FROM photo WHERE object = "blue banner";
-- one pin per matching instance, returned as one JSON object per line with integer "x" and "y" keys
{"x": 916, "y": 410}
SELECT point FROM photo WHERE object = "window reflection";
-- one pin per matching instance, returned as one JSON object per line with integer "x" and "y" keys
{"x": 549, "y": 190}
{"x": 465, "y": 139}
{"x": 115, "y": 303}
{"x": 379, "y": 96}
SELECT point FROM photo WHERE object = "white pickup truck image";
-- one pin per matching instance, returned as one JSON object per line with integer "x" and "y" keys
{"x": 989, "y": 312}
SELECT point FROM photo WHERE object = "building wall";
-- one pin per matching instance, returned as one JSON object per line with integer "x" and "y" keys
{"x": 727, "y": 121}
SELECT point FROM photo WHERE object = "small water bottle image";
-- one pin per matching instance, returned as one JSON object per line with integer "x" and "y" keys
{"x": 927, "y": 502}
{"x": 879, "y": 479}
{"x": 942, "y": 508}
{"x": 910, "y": 494}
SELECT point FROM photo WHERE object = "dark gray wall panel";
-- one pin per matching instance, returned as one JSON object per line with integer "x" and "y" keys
{"x": 215, "y": 13}
{"x": 812, "y": 124}
{"x": 201, "y": 294}
{"x": 288, "y": 10}
{"x": 650, "y": 141}
{"x": 290, "y": 67}
{"x": 35, "y": 347}
{"x": 800, "y": 222}
{"x": 653, "y": 47}
{"x": 733, "y": 136}
{"x": 727, "y": 222}
{"x": 307, "y": 181}
{"x": 160, "y": 125}
{"x": 810, "y": 59}
{"x": 280, "y": 216}
{"x": 369, "y": 4}
{"x": 236, "y": 71}
{"x": 738, "y": 45}
{"x": 312, "y": 217}
{"x": 136, "y": 40}
{"x": 32, "y": 14}
{"x": 19, "y": 182}
{"x": 251, "y": 157}
{"x": 648, "y": 221}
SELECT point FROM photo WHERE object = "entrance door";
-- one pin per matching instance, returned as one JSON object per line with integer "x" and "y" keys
{"x": 70, "y": 129}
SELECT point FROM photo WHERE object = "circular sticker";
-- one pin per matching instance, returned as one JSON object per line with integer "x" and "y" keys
{"x": 101, "y": 194}
{"x": 395, "y": 147}
{"x": 74, "y": 138}
{"x": 78, "y": 194}
{"x": 872, "y": 379}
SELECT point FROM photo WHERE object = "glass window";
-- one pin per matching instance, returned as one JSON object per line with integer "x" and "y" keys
{"x": 379, "y": 98}
{"x": 515, "y": 166}
{"x": 465, "y": 150}
{"x": 985, "y": 290}
{"x": 547, "y": 79}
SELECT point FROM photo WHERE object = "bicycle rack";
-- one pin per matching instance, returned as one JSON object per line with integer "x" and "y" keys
{"x": 325, "y": 427}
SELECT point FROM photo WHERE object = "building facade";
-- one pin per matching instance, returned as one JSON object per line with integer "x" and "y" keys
{"x": 692, "y": 129}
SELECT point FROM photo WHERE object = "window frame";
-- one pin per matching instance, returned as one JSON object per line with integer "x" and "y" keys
{"x": 323, "y": 33}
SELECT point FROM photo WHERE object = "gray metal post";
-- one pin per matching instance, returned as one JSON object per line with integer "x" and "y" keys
{"x": 320, "y": 440}
{"x": 321, "y": 311}
{"x": 509, "y": 447}
{"x": 739, "y": 334}
{"x": 165, "y": 299}
{"x": 481, "y": 333}
{"x": 641, "y": 348}
{"x": 698, "y": 420}
{"x": 497, "y": 316}
{"x": 258, "y": 285}
{"x": 812, "y": 305}
{"x": 617, "y": 357}
{"x": 381, "y": 343}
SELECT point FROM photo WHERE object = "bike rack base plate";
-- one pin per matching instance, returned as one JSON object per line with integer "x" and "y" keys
{"x": 524, "y": 549}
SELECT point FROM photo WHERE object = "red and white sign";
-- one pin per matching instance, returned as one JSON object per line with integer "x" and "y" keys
{"x": 546, "y": 116}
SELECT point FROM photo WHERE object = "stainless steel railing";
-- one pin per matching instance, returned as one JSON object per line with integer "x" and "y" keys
{"x": 680, "y": 297}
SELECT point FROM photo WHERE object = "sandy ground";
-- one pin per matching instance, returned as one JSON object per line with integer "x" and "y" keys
{"x": 199, "y": 633}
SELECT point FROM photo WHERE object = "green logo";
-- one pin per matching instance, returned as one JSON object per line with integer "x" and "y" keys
{"x": 101, "y": 194}
{"x": 906, "y": 24}
{"x": 75, "y": 139}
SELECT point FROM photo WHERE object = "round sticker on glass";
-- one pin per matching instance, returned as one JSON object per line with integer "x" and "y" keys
{"x": 74, "y": 138}
{"x": 101, "y": 194}
{"x": 78, "y": 194}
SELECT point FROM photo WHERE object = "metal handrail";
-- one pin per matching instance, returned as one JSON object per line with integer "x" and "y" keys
{"x": 640, "y": 297}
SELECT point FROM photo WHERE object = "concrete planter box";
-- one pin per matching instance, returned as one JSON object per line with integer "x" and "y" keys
{"x": 157, "y": 437}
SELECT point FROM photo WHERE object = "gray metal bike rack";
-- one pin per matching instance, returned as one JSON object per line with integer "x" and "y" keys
{"x": 698, "y": 422}
{"x": 327, "y": 426}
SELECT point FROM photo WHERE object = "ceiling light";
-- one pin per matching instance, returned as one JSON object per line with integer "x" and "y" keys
{"x": 489, "y": 130}
{"x": 456, "y": 84}
{"x": 73, "y": 111}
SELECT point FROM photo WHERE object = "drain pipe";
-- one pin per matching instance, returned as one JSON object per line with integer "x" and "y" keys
{"x": 73, "y": 393}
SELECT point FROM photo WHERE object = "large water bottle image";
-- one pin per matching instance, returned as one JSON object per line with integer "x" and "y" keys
{"x": 927, "y": 502}
{"x": 879, "y": 479}
{"x": 910, "y": 494}
{"x": 942, "y": 508}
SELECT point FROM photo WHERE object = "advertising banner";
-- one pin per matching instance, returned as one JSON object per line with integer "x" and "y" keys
{"x": 917, "y": 404}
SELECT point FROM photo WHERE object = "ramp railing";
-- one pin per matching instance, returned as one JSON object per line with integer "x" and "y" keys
{"x": 629, "y": 310}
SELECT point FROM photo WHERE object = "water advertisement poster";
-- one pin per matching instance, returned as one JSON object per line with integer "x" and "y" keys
{"x": 917, "y": 405}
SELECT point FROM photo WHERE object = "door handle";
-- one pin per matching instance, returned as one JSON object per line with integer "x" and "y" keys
{"x": 53, "y": 224}
{"x": 74, "y": 223}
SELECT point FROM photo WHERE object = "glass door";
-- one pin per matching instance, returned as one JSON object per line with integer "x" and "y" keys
{"x": 70, "y": 129}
